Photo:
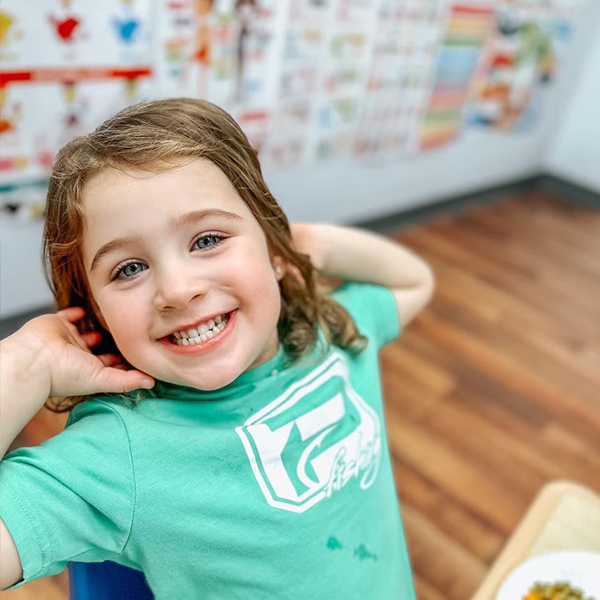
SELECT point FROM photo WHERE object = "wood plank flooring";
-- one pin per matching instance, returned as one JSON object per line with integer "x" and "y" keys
{"x": 492, "y": 391}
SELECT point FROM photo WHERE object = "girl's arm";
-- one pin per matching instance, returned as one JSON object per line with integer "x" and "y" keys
{"x": 24, "y": 389}
{"x": 354, "y": 254}
{"x": 24, "y": 386}
{"x": 11, "y": 570}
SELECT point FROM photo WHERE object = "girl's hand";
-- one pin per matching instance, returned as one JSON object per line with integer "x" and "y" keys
{"x": 72, "y": 369}
{"x": 305, "y": 240}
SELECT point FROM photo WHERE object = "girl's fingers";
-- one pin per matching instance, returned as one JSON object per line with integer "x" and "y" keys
{"x": 108, "y": 360}
{"x": 117, "y": 362}
{"x": 111, "y": 380}
{"x": 91, "y": 339}
{"x": 72, "y": 314}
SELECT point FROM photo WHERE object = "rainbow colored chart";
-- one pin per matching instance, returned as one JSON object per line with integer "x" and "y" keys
{"x": 467, "y": 32}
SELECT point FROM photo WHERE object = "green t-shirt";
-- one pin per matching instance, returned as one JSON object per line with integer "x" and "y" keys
{"x": 276, "y": 486}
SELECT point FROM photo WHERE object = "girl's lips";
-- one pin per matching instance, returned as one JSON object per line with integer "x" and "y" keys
{"x": 207, "y": 345}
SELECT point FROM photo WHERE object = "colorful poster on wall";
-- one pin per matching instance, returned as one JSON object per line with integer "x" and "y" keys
{"x": 66, "y": 66}
{"x": 401, "y": 75}
{"x": 522, "y": 59}
{"x": 467, "y": 30}
{"x": 298, "y": 81}
{"x": 222, "y": 51}
{"x": 343, "y": 78}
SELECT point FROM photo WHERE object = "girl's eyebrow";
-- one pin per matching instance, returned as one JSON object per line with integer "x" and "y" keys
{"x": 174, "y": 223}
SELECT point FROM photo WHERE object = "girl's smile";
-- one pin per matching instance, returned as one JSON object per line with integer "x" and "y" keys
{"x": 198, "y": 345}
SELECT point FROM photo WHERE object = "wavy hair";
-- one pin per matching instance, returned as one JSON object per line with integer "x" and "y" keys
{"x": 155, "y": 136}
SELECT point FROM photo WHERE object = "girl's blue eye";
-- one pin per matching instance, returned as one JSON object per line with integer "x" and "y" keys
{"x": 208, "y": 236}
{"x": 125, "y": 273}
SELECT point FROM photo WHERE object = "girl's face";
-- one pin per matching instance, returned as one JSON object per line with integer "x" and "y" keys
{"x": 159, "y": 260}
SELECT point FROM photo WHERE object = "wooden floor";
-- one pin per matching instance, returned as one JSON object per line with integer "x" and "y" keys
{"x": 492, "y": 391}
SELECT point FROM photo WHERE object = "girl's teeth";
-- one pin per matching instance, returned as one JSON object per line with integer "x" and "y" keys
{"x": 203, "y": 333}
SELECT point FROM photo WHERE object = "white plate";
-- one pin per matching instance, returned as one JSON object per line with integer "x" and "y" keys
{"x": 580, "y": 569}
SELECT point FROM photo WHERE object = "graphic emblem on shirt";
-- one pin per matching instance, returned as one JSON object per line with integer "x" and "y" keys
{"x": 313, "y": 440}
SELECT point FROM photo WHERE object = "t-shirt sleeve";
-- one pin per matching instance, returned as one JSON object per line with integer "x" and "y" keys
{"x": 72, "y": 497}
{"x": 373, "y": 308}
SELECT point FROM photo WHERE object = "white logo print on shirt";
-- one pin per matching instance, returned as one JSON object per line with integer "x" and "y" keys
{"x": 313, "y": 439}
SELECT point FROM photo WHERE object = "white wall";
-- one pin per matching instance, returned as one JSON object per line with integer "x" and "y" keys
{"x": 347, "y": 192}
{"x": 22, "y": 284}
{"x": 574, "y": 149}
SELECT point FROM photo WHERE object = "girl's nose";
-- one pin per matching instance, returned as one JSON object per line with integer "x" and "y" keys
{"x": 177, "y": 290}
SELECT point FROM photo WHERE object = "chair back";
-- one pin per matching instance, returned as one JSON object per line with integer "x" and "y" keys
{"x": 106, "y": 581}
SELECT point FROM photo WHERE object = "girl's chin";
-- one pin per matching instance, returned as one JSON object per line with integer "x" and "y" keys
{"x": 210, "y": 382}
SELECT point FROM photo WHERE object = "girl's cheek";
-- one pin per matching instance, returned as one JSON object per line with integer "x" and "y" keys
{"x": 122, "y": 319}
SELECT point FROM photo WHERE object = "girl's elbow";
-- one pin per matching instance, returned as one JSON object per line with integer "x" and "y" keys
{"x": 429, "y": 280}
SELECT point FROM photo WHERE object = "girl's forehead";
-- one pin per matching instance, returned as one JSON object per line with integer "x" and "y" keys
{"x": 198, "y": 184}
{"x": 197, "y": 171}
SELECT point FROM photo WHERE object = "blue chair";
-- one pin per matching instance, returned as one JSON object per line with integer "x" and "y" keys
{"x": 106, "y": 581}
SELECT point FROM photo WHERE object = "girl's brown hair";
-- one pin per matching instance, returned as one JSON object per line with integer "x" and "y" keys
{"x": 155, "y": 136}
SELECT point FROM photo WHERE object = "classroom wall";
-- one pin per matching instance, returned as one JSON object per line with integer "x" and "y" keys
{"x": 351, "y": 191}
{"x": 573, "y": 150}
{"x": 563, "y": 142}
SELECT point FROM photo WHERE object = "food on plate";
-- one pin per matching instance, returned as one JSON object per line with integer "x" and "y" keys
{"x": 560, "y": 590}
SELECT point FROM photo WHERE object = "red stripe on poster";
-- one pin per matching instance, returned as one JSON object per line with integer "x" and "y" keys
{"x": 85, "y": 74}
{"x": 472, "y": 10}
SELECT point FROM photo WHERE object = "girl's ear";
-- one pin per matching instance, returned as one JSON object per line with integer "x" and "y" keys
{"x": 279, "y": 267}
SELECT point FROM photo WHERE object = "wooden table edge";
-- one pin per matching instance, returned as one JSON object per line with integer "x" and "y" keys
{"x": 527, "y": 532}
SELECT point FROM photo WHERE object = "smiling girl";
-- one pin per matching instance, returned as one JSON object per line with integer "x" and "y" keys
{"x": 227, "y": 433}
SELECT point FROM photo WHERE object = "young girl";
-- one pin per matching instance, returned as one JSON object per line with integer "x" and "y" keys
{"x": 257, "y": 465}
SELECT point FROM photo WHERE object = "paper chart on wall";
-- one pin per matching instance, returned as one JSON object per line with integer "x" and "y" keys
{"x": 466, "y": 33}
{"x": 297, "y": 82}
{"x": 343, "y": 78}
{"x": 523, "y": 57}
{"x": 66, "y": 66}
{"x": 400, "y": 77}
{"x": 222, "y": 51}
